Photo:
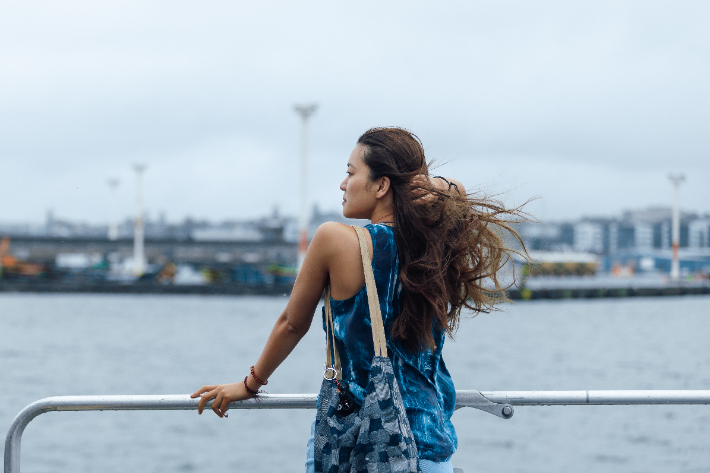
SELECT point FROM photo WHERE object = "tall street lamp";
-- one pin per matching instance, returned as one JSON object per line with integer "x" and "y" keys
{"x": 676, "y": 180}
{"x": 138, "y": 232}
{"x": 113, "y": 224}
{"x": 305, "y": 111}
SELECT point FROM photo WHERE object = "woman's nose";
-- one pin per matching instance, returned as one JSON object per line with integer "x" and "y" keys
{"x": 342, "y": 184}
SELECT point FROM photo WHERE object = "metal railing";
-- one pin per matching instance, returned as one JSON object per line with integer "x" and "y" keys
{"x": 499, "y": 403}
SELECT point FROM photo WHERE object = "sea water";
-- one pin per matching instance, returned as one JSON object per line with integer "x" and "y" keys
{"x": 53, "y": 345}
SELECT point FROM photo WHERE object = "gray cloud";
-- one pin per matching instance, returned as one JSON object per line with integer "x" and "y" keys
{"x": 587, "y": 106}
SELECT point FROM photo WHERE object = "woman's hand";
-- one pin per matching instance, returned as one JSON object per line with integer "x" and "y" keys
{"x": 424, "y": 183}
{"x": 421, "y": 183}
{"x": 222, "y": 394}
{"x": 448, "y": 184}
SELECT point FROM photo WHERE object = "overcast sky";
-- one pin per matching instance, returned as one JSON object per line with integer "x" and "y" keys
{"x": 587, "y": 107}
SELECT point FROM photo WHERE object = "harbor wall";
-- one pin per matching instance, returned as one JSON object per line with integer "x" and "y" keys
{"x": 236, "y": 289}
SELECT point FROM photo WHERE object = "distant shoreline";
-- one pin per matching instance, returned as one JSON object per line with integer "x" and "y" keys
{"x": 87, "y": 287}
{"x": 143, "y": 288}
{"x": 609, "y": 292}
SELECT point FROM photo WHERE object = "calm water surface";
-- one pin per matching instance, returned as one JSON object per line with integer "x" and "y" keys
{"x": 75, "y": 344}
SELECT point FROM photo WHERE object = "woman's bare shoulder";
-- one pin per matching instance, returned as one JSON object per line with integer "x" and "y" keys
{"x": 333, "y": 230}
{"x": 334, "y": 227}
{"x": 336, "y": 245}
{"x": 334, "y": 236}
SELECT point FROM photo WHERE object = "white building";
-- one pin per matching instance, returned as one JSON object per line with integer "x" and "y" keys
{"x": 589, "y": 237}
{"x": 643, "y": 236}
{"x": 699, "y": 233}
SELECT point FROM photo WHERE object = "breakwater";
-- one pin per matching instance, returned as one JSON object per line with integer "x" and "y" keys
{"x": 105, "y": 287}
{"x": 237, "y": 289}
{"x": 594, "y": 293}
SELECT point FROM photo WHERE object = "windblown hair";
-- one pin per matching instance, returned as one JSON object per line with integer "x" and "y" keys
{"x": 450, "y": 245}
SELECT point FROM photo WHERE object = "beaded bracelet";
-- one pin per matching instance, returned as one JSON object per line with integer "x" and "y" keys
{"x": 263, "y": 383}
{"x": 250, "y": 390}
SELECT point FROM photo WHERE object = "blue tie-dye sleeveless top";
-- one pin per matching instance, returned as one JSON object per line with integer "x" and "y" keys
{"x": 427, "y": 389}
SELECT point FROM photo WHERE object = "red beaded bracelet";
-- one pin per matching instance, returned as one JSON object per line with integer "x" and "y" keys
{"x": 263, "y": 383}
{"x": 250, "y": 390}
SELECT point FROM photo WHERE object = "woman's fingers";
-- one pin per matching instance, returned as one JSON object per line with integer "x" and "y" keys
{"x": 203, "y": 400}
{"x": 225, "y": 406}
{"x": 203, "y": 389}
{"x": 216, "y": 403}
{"x": 223, "y": 395}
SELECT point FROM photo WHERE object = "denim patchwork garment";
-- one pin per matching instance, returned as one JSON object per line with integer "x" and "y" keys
{"x": 426, "y": 387}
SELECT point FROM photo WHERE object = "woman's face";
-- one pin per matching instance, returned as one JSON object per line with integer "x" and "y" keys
{"x": 359, "y": 198}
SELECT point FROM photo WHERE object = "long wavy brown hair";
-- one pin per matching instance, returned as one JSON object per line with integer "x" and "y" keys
{"x": 450, "y": 244}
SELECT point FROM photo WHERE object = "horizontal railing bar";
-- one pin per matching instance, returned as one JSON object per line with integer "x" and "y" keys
{"x": 601, "y": 397}
{"x": 168, "y": 402}
{"x": 308, "y": 401}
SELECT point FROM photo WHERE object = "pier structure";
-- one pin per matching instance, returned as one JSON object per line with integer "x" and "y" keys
{"x": 44, "y": 249}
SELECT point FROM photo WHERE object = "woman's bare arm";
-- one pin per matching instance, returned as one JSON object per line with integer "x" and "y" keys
{"x": 290, "y": 327}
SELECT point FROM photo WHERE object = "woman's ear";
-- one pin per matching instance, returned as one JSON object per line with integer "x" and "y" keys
{"x": 383, "y": 187}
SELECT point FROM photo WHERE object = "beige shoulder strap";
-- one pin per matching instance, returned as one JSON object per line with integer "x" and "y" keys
{"x": 334, "y": 362}
{"x": 378, "y": 329}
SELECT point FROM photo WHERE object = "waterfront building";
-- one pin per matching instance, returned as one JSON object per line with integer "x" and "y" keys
{"x": 699, "y": 233}
{"x": 591, "y": 236}
{"x": 637, "y": 239}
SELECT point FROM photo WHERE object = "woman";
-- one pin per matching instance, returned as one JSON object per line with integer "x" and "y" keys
{"x": 433, "y": 247}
